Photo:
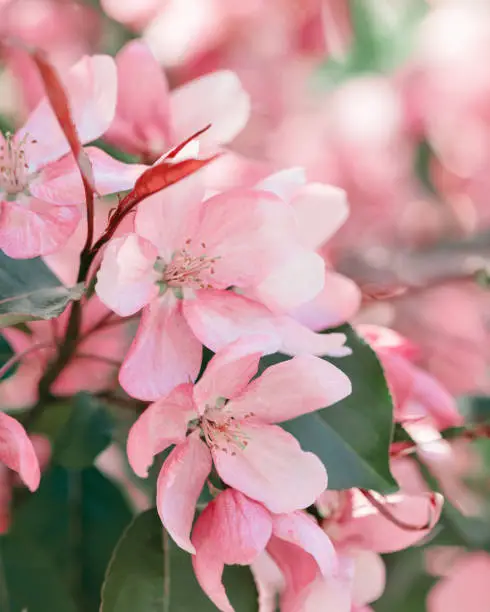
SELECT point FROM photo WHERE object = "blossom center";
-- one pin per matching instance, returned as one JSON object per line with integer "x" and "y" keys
{"x": 14, "y": 169}
{"x": 187, "y": 269}
{"x": 222, "y": 431}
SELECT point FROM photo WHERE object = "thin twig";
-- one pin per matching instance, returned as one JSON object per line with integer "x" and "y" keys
{"x": 383, "y": 510}
{"x": 8, "y": 365}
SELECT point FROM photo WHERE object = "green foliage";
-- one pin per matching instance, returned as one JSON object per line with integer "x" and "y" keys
{"x": 29, "y": 290}
{"x": 148, "y": 572}
{"x": 74, "y": 520}
{"x": 382, "y": 40}
{"x": 407, "y": 583}
{"x": 352, "y": 437}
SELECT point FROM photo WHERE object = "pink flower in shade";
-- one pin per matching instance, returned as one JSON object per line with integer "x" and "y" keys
{"x": 178, "y": 266}
{"x": 42, "y": 450}
{"x": 249, "y": 452}
{"x": 235, "y": 530}
{"x": 151, "y": 119}
{"x": 93, "y": 368}
{"x": 418, "y": 396}
{"x": 360, "y": 532}
{"x": 17, "y": 451}
{"x": 31, "y": 224}
{"x": 465, "y": 587}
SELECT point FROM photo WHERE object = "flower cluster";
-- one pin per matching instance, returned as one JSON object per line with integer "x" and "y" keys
{"x": 268, "y": 347}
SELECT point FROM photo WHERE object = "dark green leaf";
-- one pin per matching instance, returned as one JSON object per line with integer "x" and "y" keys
{"x": 352, "y": 437}
{"x": 29, "y": 290}
{"x": 76, "y": 519}
{"x": 86, "y": 433}
{"x": 143, "y": 577}
{"x": 407, "y": 583}
{"x": 29, "y": 580}
{"x": 6, "y": 353}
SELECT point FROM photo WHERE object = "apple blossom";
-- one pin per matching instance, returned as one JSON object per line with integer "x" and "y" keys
{"x": 231, "y": 423}
{"x": 234, "y": 529}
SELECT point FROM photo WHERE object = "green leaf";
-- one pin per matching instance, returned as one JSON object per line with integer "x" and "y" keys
{"x": 352, "y": 437}
{"x": 6, "y": 353}
{"x": 87, "y": 432}
{"x": 144, "y": 577}
{"x": 29, "y": 580}
{"x": 407, "y": 583}
{"x": 76, "y": 519}
{"x": 29, "y": 290}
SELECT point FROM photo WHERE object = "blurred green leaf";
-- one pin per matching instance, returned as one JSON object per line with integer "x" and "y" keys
{"x": 29, "y": 580}
{"x": 352, "y": 437}
{"x": 383, "y": 38}
{"x": 407, "y": 582}
{"x": 143, "y": 576}
{"x": 75, "y": 518}
{"x": 86, "y": 433}
{"x": 29, "y": 290}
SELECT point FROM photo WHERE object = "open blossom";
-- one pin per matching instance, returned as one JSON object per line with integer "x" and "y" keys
{"x": 231, "y": 423}
{"x": 235, "y": 530}
{"x": 17, "y": 451}
{"x": 30, "y": 223}
{"x": 150, "y": 119}
{"x": 179, "y": 265}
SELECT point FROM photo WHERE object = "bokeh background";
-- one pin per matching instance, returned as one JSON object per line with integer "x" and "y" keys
{"x": 390, "y": 100}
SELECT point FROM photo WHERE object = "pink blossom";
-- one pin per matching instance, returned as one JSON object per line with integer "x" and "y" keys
{"x": 235, "y": 530}
{"x": 326, "y": 298}
{"x": 249, "y": 452}
{"x": 17, "y": 451}
{"x": 30, "y": 224}
{"x": 359, "y": 531}
{"x": 42, "y": 454}
{"x": 417, "y": 394}
{"x": 151, "y": 119}
{"x": 465, "y": 587}
{"x": 178, "y": 266}
{"x": 93, "y": 368}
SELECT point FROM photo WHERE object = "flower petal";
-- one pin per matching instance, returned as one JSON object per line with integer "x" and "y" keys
{"x": 60, "y": 182}
{"x": 292, "y": 388}
{"x": 164, "y": 353}
{"x": 17, "y": 451}
{"x": 285, "y": 183}
{"x": 271, "y": 468}
{"x": 179, "y": 485}
{"x": 163, "y": 423}
{"x": 297, "y": 280}
{"x": 169, "y": 218}
{"x": 222, "y": 102}
{"x": 248, "y": 232}
{"x": 336, "y": 303}
{"x": 126, "y": 280}
{"x": 320, "y": 210}
{"x": 228, "y": 373}
{"x": 300, "y": 529}
{"x": 142, "y": 121}
{"x": 370, "y": 529}
{"x": 369, "y": 577}
{"x": 220, "y": 317}
{"x": 30, "y": 227}
{"x": 91, "y": 85}
{"x": 232, "y": 529}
